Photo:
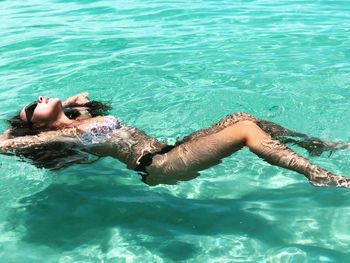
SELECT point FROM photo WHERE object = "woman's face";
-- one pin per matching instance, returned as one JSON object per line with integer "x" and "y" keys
{"x": 46, "y": 110}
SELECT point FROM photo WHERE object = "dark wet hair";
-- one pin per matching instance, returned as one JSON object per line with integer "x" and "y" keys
{"x": 22, "y": 128}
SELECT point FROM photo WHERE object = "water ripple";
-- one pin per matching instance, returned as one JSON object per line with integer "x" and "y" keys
{"x": 171, "y": 68}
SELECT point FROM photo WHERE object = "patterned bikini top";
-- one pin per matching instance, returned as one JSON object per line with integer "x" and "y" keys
{"x": 100, "y": 132}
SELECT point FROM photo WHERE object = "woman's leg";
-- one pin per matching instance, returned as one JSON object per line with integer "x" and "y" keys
{"x": 205, "y": 151}
{"x": 276, "y": 153}
{"x": 314, "y": 146}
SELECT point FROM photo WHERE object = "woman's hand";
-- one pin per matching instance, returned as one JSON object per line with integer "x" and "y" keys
{"x": 76, "y": 101}
{"x": 6, "y": 135}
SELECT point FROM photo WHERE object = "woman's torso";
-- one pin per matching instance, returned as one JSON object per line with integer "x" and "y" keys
{"x": 107, "y": 136}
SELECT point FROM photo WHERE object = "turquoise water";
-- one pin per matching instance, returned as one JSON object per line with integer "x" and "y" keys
{"x": 170, "y": 68}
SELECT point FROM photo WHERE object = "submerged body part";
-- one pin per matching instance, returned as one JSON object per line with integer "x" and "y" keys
{"x": 159, "y": 163}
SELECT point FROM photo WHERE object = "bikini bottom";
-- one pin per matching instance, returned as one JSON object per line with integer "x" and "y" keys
{"x": 146, "y": 160}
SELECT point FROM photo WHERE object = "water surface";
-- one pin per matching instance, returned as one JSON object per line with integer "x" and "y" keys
{"x": 170, "y": 68}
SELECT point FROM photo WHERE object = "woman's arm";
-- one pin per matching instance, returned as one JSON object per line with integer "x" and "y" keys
{"x": 76, "y": 101}
{"x": 51, "y": 149}
{"x": 20, "y": 143}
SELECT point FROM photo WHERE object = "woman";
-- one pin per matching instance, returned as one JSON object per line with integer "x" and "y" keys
{"x": 55, "y": 134}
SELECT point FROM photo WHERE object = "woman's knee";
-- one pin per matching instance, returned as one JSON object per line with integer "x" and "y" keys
{"x": 254, "y": 135}
{"x": 249, "y": 130}
{"x": 236, "y": 118}
{"x": 244, "y": 116}
{"x": 247, "y": 125}
{"x": 242, "y": 129}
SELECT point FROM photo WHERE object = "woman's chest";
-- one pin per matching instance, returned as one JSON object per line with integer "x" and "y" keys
{"x": 98, "y": 131}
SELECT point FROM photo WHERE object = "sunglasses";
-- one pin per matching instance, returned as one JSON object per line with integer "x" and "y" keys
{"x": 29, "y": 110}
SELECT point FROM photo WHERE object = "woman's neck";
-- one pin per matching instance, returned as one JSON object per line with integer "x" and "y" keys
{"x": 62, "y": 122}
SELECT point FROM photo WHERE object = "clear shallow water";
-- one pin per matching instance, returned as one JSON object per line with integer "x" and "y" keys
{"x": 170, "y": 68}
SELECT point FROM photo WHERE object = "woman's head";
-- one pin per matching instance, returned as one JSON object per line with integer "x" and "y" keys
{"x": 44, "y": 112}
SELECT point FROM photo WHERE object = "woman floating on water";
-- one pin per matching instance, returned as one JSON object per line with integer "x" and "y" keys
{"x": 54, "y": 134}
